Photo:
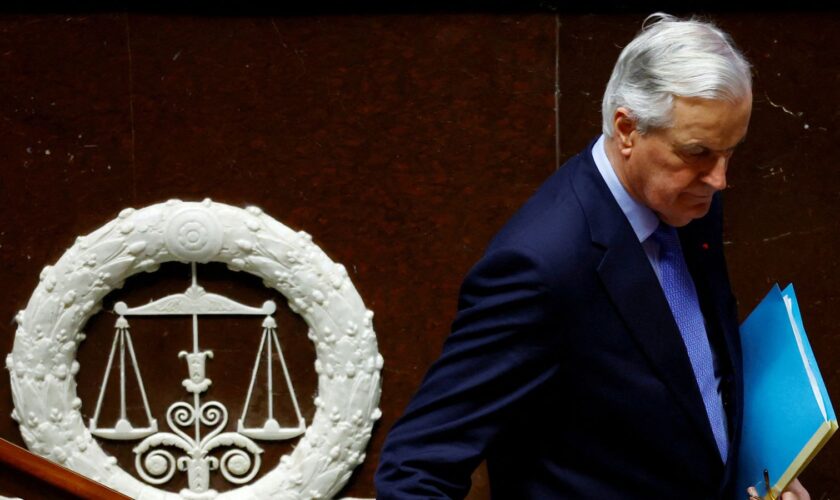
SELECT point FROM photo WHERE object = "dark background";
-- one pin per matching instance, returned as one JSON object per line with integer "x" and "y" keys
{"x": 401, "y": 137}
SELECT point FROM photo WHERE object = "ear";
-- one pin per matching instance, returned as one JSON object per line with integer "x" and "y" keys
{"x": 626, "y": 132}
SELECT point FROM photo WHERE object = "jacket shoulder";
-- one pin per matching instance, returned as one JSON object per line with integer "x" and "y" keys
{"x": 551, "y": 228}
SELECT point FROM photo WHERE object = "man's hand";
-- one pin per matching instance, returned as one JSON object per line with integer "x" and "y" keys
{"x": 794, "y": 491}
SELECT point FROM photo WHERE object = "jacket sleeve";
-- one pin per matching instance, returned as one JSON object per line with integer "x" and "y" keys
{"x": 501, "y": 350}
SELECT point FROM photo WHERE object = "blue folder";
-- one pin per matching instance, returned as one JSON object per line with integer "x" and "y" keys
{"x": 788, "y": 415}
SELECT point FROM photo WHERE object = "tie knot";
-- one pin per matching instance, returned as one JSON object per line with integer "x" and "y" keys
{"x": 667, "y": 239}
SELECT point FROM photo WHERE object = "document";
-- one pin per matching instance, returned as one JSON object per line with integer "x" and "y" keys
{"x": 788, "y": 416}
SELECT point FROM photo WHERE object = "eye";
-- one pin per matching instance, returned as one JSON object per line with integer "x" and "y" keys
{"x": 695, "y": 152}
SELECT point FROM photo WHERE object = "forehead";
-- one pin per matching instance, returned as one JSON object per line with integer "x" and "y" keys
{"x": 716, "y": 124}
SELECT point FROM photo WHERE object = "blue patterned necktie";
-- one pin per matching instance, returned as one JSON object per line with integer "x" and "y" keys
{"x": 682, "y": 299}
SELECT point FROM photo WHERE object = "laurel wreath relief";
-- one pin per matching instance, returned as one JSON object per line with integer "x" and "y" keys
{"x": 42, "y": 364}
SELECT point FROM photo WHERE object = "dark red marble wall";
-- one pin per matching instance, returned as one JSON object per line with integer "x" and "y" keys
{"x": 401, "y": 142}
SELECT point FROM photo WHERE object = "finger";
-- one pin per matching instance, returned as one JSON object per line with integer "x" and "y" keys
{"x": 753, "y": 493}
{"x": 795, "y": 491}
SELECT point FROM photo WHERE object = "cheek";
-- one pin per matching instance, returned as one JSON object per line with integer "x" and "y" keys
{"x": 669, "y": 186}
{"x": 678, "y": 177}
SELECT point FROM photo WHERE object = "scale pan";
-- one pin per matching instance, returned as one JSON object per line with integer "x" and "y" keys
{"x": 271, "y": 430}
{"x": 124, "y": 430}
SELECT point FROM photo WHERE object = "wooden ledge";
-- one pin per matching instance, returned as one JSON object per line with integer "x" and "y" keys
{"x": 26, "y": 462}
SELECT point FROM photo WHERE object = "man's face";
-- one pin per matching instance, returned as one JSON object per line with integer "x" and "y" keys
{"x": 675, "y": 171}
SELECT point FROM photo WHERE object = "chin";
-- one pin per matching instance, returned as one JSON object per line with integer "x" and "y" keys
{"x": 681, "y": 218}
{"x": 676, "y": 221}
{"x": 685, "y": 218}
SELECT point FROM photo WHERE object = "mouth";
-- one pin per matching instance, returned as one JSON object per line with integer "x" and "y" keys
{"x": 699, "y": 198}
{"x": 697, "y": 203}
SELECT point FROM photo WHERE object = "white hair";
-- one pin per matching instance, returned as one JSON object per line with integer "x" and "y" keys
{"x": 673, "y": 57}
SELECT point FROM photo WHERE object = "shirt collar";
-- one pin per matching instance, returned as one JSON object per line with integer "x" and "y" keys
{"x": 642, "y": 219}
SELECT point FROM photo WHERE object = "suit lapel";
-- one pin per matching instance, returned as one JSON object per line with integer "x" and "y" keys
{"x": 635, "y": 291}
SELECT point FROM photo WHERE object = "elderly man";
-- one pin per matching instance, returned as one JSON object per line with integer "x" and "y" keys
{"x": 595, "y": 353}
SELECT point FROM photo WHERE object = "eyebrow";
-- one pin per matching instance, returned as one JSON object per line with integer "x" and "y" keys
{"x": 702, "y": 145}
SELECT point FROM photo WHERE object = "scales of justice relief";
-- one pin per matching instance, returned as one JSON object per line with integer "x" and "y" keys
{"x": 153, "y": 462}
{"x": 195, "y": 439}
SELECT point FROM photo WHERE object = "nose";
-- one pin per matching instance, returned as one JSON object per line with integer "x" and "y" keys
{"x": 716, "y": 177}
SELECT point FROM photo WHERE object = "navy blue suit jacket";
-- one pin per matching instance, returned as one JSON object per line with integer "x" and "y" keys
{"x": 565, "y": 368}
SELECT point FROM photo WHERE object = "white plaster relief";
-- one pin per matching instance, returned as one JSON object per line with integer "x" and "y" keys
{"x": 42, "y": 364}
